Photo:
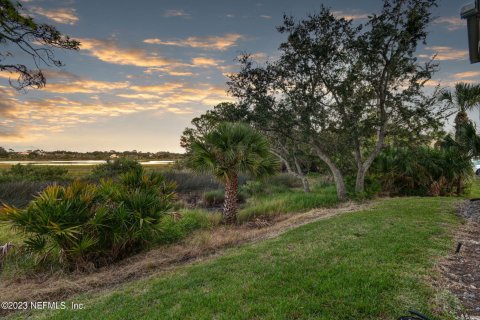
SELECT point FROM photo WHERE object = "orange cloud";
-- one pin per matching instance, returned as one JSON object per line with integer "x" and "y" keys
{"x": 467, "y": 74}
{"x": 210, "y": 42}
{"x": 451, "y": 23}
{"x": 84, "y": 86}
{"x": 205, "y": 62}
{"x": 61, "y": 15}
{"x": 445, "y": 53}
{"x": 109, "y": 51}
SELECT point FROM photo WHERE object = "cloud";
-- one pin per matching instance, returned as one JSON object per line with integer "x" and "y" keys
{"x": 467, "y": 74}
{"x": 60, "y": 15}
{"x": 110, "y": 51}
{"x": 355, "y": 14}
{"x": 445, "y": 53}
{"x": 451, "y": 23}
{"x": 209, "y": 42}
{"x": 204, "y": 62}
{"x": 84, "y": 86}
{"x": 177, "y": 13}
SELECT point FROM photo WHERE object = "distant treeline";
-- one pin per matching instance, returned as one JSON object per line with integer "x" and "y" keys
{"x": 11, "y": 154}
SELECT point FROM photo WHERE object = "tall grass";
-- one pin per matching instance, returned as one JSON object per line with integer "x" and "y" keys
{"x": 272, "y": 205}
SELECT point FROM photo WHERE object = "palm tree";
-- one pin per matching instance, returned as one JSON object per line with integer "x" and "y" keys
{"x": 227, "y": 151}
{"x": 465, "y": 97}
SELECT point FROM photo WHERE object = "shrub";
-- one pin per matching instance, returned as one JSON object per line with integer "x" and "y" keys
{"x": 114, "y": 168}
{"x": 30, "y": 172}
{"x": 87, "y": 223}
{"x": 421, "y": 171}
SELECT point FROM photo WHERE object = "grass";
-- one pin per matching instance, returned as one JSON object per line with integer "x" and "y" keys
{"x": 270, "y": 205}
{"x": 372, "y": 264}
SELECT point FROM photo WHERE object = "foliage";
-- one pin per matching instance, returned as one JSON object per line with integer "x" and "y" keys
{"x": 322, "y": 270}
{"x": 37, "y": 41}
{"x": 227, "y": 151}
{"x": 271, "y": 205}
{"x": 421, "y": 171}
{"x": 174, "y": 228}
{"x": 187, "y": 181}
{"x": 465, "y": 97}
{"x": 87, "y": 223}
{"x": 114, "y": 168}
{"x": 339, "y": 89}
{"x": 20, "y": 193}
{"x": 222, "y": 112}
{"x": 30, "y": 172}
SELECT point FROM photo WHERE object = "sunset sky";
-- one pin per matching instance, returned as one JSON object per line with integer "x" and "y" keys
{"x": 147, "y": 67}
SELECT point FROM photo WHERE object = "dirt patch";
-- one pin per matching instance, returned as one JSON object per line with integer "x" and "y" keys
{"x": 461, "y": 270}
{"x": 199, "y": 246}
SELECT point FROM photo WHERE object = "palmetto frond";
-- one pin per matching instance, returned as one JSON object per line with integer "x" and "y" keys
{"x": 232, "y": 148}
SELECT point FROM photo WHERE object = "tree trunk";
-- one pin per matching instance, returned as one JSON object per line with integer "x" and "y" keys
{"x": 230, "y": 204}
{"x": 363, "y": 167}
{"x": 306, "y": 185}
{"x": 360, "y": 180}
{"x": 337, "y": 175}
{"x": 298, "y": 173}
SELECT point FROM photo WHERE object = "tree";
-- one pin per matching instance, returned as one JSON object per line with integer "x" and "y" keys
{"x": 228, "y": 150}
{"x": 38, "y": 41}
{"x": 343, "y": 89}
{"x": 285, "y": 148}
{"x": 222, "y": 112}
{"x": 464, "y": 97}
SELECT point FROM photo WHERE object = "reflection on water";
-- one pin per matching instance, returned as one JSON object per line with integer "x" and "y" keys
{"x": 79, "y": 162}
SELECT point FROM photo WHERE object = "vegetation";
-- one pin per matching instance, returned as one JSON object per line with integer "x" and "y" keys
{"x": 465, "y": 97}
{"x": 37, "y": 41}
{"x": 227, "y": 151}
{"x": 371, "y": 264}
{"x": 114, "y": 168}
{"x": 30, "y": 172}
{"x": 86, "y": 223}
{"x": 270, "y": 205}
{"x": 421, "y": 171}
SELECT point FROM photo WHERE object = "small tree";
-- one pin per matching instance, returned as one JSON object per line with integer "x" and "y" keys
{"x": 36, "y": 40}
{"x": 228, "y": 150}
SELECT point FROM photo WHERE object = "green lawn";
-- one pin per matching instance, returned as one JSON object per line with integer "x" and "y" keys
{"x": 372, "y": 264}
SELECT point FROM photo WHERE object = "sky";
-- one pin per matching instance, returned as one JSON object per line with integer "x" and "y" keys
{"x": 147, "y": 67}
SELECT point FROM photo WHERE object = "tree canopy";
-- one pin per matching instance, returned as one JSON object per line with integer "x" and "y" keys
{"x": 37, "y": 40}
{"x": 343, "y": 88}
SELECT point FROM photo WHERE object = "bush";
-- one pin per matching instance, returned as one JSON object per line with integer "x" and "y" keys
{"x": 114, "y": 168}
{"x": 421, "y": 171}
{"x": 30, "y": 172}
{"x": 87, "y": 223}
